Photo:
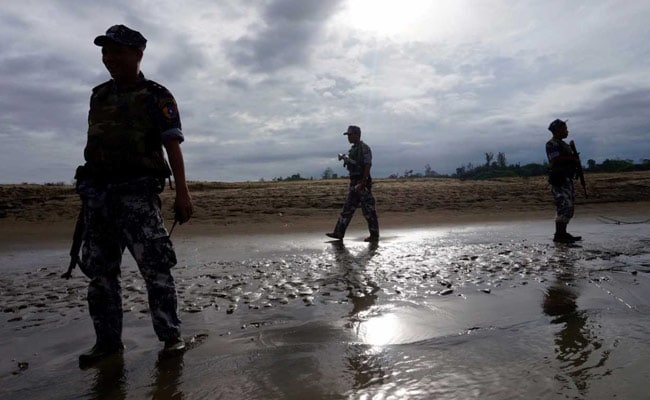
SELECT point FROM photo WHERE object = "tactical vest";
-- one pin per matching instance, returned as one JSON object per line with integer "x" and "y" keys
{"x": 356, "y": 154}
{"x": 560, "y": 171}
{"x": 123, "y": 140}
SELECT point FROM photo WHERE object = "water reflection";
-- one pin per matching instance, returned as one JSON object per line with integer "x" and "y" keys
{"x": 110, "y": 379}
{"x": 575, "y": 343}
{"x": 167, "y": 377}
{"x": 361, "y": 288}
{"x": 366, "y": 363}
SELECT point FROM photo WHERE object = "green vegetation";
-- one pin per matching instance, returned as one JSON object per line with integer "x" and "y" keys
{"x": 499, "y": 168}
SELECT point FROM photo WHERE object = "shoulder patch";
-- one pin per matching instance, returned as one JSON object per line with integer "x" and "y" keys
{"x": 168, "y": 107}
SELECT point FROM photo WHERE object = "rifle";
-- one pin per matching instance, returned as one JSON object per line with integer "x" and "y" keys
{"x": 579, "y": 172}
{"x": 77, "y": 239}
{"x": 346, "y": 160}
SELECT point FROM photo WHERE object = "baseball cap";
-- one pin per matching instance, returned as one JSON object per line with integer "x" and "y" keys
{"x": 123, "y": 35}
{"x": 556, "y": 124}
{"x": 353, "y": 129}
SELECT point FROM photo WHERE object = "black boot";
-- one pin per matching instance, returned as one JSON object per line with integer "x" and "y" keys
{"x": 574, "y": 238}
{"x": 374, "y": 237}
{"x": 174, "y": 345}
{"x": 561, "y": 236}
{"x": 335, "y": 235}
{"x": 99, "y": 352}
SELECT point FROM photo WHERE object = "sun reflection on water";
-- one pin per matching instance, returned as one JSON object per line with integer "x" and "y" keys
{"x": 379, "y": 331}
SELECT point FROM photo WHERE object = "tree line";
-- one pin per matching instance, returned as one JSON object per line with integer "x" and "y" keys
{"x": 494, "y": 168}
{"x": 498, "y": 168}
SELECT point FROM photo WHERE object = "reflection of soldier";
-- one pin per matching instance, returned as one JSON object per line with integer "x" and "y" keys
{"x": 368, "y": 367}
{"x": 110, "y": 380}
{"x": 361, "y": 293}
{"x": 562, "y": 171}
{"x": 168, "y": 374}
{"x": 130, "y": 120}
{"x": 574, "y": 341}
{"x": 358, "y": 162}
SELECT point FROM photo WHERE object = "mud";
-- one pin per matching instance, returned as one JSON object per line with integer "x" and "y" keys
{"x": 491, "y": 311}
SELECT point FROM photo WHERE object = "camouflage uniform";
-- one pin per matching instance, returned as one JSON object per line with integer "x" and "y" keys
{"x": 361, "y": 155}
{"x": 119, "y": 186}
{"x": 561, "y": 180}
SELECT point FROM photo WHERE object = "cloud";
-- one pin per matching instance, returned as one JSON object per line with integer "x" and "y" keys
{"x": 283, "y": 36}
{"x": 266, "y": 88}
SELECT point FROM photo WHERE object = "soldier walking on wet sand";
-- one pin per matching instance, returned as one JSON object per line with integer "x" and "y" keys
{"x": 563, "y": 167}
{"x": 130, "y": 120}
{"x": 358, "y": 162}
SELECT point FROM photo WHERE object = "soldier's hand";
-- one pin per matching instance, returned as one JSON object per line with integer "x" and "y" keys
{"x": 183, "y": 208}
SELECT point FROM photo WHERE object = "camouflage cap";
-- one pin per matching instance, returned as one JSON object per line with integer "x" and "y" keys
{"x": 556, "y": 124}
{"x": 353, "y": 129}
{"x": 123, "y": 35}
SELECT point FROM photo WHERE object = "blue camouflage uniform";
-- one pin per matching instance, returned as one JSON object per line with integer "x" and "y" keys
{"x": 561, "y": 180}
{"x": 361, "y": 155}
{"x": 119, "y": 187}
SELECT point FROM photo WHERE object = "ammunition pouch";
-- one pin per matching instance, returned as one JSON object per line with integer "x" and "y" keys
{"x": 559, "y": 177}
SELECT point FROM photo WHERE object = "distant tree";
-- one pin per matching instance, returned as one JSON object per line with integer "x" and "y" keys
{"x": 489, "y": 156}
{"x": 428, "y": 172}
{"x": 328, "y": 173}
{"x": 501, "y": 160}
{"x": 591, "y": 164}
{"x": 617, "y": 165}
{"x": 294, "y": 177}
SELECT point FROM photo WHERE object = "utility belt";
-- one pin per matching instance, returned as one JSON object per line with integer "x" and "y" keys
{"x": 559, "y": 176}
{"x": 354, "y": 180}
{"x": 86, "y": 177}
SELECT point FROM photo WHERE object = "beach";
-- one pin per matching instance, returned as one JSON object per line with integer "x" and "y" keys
{"x": 465, "y": 296}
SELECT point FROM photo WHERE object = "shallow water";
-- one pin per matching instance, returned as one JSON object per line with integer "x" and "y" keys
{"x": 495, "y": 311}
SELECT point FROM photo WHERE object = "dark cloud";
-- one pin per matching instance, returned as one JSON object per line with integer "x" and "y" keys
{"x": 615, "y": 126}
{"x": 283, "y": 36}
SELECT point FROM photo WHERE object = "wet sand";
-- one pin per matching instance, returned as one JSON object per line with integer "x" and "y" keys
{"x": 440, "y": 308}
{"x": 494, "y": 310}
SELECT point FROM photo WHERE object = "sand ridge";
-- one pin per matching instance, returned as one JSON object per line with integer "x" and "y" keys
{"x": 249, "y": 207}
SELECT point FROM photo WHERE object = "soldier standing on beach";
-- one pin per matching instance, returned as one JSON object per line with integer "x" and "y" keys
{"x": 130, "y": 120}
{"x": 563, "y": 167}
{"x": 358, "y": 162}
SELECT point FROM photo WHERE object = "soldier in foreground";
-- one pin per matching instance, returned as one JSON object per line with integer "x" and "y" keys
{"x": 564, "y": 164}
{"x": 130, "y": 120}
{"x": 358, "y": 162}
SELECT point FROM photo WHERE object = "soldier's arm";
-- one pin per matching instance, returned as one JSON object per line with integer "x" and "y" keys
{"x": 366, "y": 173}
{"x": 183, "y": 203}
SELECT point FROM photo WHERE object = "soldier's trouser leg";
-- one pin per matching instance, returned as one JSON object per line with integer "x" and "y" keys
{"x": 149, "y": 243}
{"x": 102, "y": 255}
{"x": 132, "y": 220}
{"x": 370, "y": 212}
{"x": 350, "y": 206}
{"x": 564, "y": 198}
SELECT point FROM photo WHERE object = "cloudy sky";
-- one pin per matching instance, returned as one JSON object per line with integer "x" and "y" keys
{"x": 266, "y": 87}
